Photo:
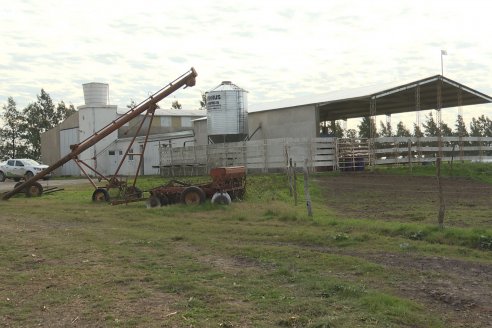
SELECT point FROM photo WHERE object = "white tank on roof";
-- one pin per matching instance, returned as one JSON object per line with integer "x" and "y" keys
{"x": 96, "y": 94}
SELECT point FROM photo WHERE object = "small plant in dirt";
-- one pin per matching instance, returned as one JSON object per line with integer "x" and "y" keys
{"x": 344, "y": 290}
{"x": 485, "y": 242}
{"x": 417, "y": 235}
{"x": 341, "y": 236}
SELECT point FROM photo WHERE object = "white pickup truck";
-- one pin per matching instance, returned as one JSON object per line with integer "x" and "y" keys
{"x": 18, "y": 169}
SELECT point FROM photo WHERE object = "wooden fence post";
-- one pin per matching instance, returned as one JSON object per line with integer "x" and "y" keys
{"x": 289, "y": 173}
{"x": 306, "y": 188}
{"x": 410, "y": 154}
{"x": 442, "y": 205}
{"x": 295, "y": 184}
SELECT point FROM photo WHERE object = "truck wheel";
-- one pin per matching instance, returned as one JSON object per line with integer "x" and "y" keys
{"x": 100, "y": 195}
{"x": 221, "y": 198}
{"x": 2, "y": 176}
{"x": 192, "y": 196}
{"x": 29, "y": 175}
{"x": 34, "y": 190}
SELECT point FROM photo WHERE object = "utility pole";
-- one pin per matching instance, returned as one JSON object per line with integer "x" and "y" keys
{"x": 443, "y": 53}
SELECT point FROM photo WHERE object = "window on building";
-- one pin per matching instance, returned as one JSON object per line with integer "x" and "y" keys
{"x": 130, "y": 154}
{"x": 111, "y": 153}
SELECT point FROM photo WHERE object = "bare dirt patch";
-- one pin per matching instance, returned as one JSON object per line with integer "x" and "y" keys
{"x": 407, "y": 198}
{"x": 459, "y": 289}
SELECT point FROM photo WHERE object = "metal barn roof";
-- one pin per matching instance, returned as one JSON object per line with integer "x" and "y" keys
{"x": 390, "y": 99}
{"x": 172, "y": 112}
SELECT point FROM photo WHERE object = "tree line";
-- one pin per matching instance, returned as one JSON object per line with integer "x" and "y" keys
{"x": 20, "y": 133}
{"x": 478, "y": 127}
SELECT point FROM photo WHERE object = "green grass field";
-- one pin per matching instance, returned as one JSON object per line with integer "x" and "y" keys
{"x": 261, "y": 262}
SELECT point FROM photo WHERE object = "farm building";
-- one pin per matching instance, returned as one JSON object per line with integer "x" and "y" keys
{"x": 293, "y": 129}
{"x": 170, "y": 128}
{"x": 260, "y": 136}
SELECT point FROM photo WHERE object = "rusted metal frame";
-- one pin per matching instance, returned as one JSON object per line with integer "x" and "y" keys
{"x": 150, "y": 109}
{"x": 144, "y": 144}
{"x": 188, "y": 80}
{"x": 99, "y": 174}
{"x": 85, "y": 173}
{"x": 126, "y": 201}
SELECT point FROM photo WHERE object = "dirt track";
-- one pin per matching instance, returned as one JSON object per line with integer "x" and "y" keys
{"x": 460, "y": 289}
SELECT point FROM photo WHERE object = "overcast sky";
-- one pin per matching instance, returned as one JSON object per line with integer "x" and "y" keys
{"x": 273, "y": 49}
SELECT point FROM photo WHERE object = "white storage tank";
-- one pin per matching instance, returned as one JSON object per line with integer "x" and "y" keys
{"x": 227, "y": 113}
{"x": 96, "y": 94}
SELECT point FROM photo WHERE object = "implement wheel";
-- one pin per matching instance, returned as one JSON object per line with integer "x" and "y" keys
{"x": 133, "y": 192}
{"x": 221, "y": 198}
{"x": 100, "y": 195}
{"x": 192, "y": 196}
{"x": 18, "y": 184}
{"x": 153, "y": 201}
{"x": 34, "y": 190}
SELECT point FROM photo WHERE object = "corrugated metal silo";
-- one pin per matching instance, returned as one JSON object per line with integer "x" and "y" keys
{"x": 227, "y": 113}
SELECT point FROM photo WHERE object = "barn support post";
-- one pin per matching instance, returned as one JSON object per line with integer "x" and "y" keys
{"x": 460, "y": 115}
{"x": 439, "y": 120}
{"x": 372, "y": 133}
{"x": 417, "y": 110}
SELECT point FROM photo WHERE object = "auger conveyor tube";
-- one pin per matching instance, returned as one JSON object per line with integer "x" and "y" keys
{"x": 186, "y": 80}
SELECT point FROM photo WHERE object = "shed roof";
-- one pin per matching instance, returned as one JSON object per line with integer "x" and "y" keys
{"x": 390, "y": 99}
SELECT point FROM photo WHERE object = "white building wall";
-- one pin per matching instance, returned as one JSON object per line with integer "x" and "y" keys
{"x": 294, "y": 122}
{"x": 91, "y": 120}
{"x": 68, "y": 137}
